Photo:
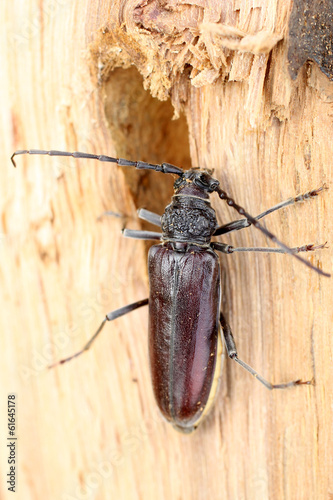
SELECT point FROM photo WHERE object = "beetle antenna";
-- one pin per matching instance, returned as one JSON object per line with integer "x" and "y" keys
{"x": 223, "y": 195}
{"x": 165, "y": 168}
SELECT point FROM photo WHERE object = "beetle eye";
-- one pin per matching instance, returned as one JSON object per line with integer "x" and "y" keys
{"x": 202, "y": 180}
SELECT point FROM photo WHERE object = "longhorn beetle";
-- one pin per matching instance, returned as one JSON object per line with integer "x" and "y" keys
{"x": 185, "y": 320}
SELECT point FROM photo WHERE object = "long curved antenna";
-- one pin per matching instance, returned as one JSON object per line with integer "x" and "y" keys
{"x": 168, "y": 168}
{"x": 223, "y": 195}
{"x": 165, "y": 168}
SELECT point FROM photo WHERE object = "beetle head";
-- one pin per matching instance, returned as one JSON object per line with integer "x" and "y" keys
{"x": 200, "y": 178}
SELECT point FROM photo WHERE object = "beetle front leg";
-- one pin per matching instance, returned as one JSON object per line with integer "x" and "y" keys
{"x": 149, "y": 216}
{"x": 143, "y": 214}
{"x": 242, "y": 223}
{"x": 232, "y": 353}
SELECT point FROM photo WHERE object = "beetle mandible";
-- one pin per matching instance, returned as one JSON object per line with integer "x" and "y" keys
{"x": 186, "y": 324}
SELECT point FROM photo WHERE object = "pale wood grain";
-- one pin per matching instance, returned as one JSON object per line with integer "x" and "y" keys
{"x": 90, "y": 429}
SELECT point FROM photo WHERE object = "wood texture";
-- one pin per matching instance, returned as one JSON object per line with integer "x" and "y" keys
{"x": 90, "y": 429}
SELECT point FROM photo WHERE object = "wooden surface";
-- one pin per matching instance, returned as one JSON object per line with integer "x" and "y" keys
{"x": 90, "y": 429}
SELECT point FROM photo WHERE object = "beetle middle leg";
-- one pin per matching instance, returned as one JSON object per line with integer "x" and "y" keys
{"x": 139, "y": 234}
{"x": 232, "y": 353}
{"x": 224, "y": 248}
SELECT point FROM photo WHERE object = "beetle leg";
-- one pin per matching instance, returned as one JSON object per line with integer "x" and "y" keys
{"x": 241, "y": 223}
{"x": 143, "y": 214}
{"x": 141, "y": 235}
{"x": 222, "y": 247}
{"x": 232, "y": 353}
{"x": 109, "y": 317}
{"x": 149, "y": 216}
{"x": 231, "y": 202}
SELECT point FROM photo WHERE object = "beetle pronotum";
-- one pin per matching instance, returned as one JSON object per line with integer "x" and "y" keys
{"x": 185, "y": 321}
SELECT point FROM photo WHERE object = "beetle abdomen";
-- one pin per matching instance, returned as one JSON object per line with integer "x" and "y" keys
{"x": 183, "y": 330}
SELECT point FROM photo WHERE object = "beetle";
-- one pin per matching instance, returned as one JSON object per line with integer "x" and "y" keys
{"x": 186, "y": 324}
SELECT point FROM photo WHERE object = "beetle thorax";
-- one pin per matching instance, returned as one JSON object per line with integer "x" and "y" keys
{"x": 189, "y": 217}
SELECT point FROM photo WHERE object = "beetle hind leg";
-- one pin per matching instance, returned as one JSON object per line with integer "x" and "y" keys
{"x": 232, "y": 353}
{"x": 109, "y": 317}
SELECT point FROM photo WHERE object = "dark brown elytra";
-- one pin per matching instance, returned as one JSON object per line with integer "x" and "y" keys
{"x": 185, "y": 320}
